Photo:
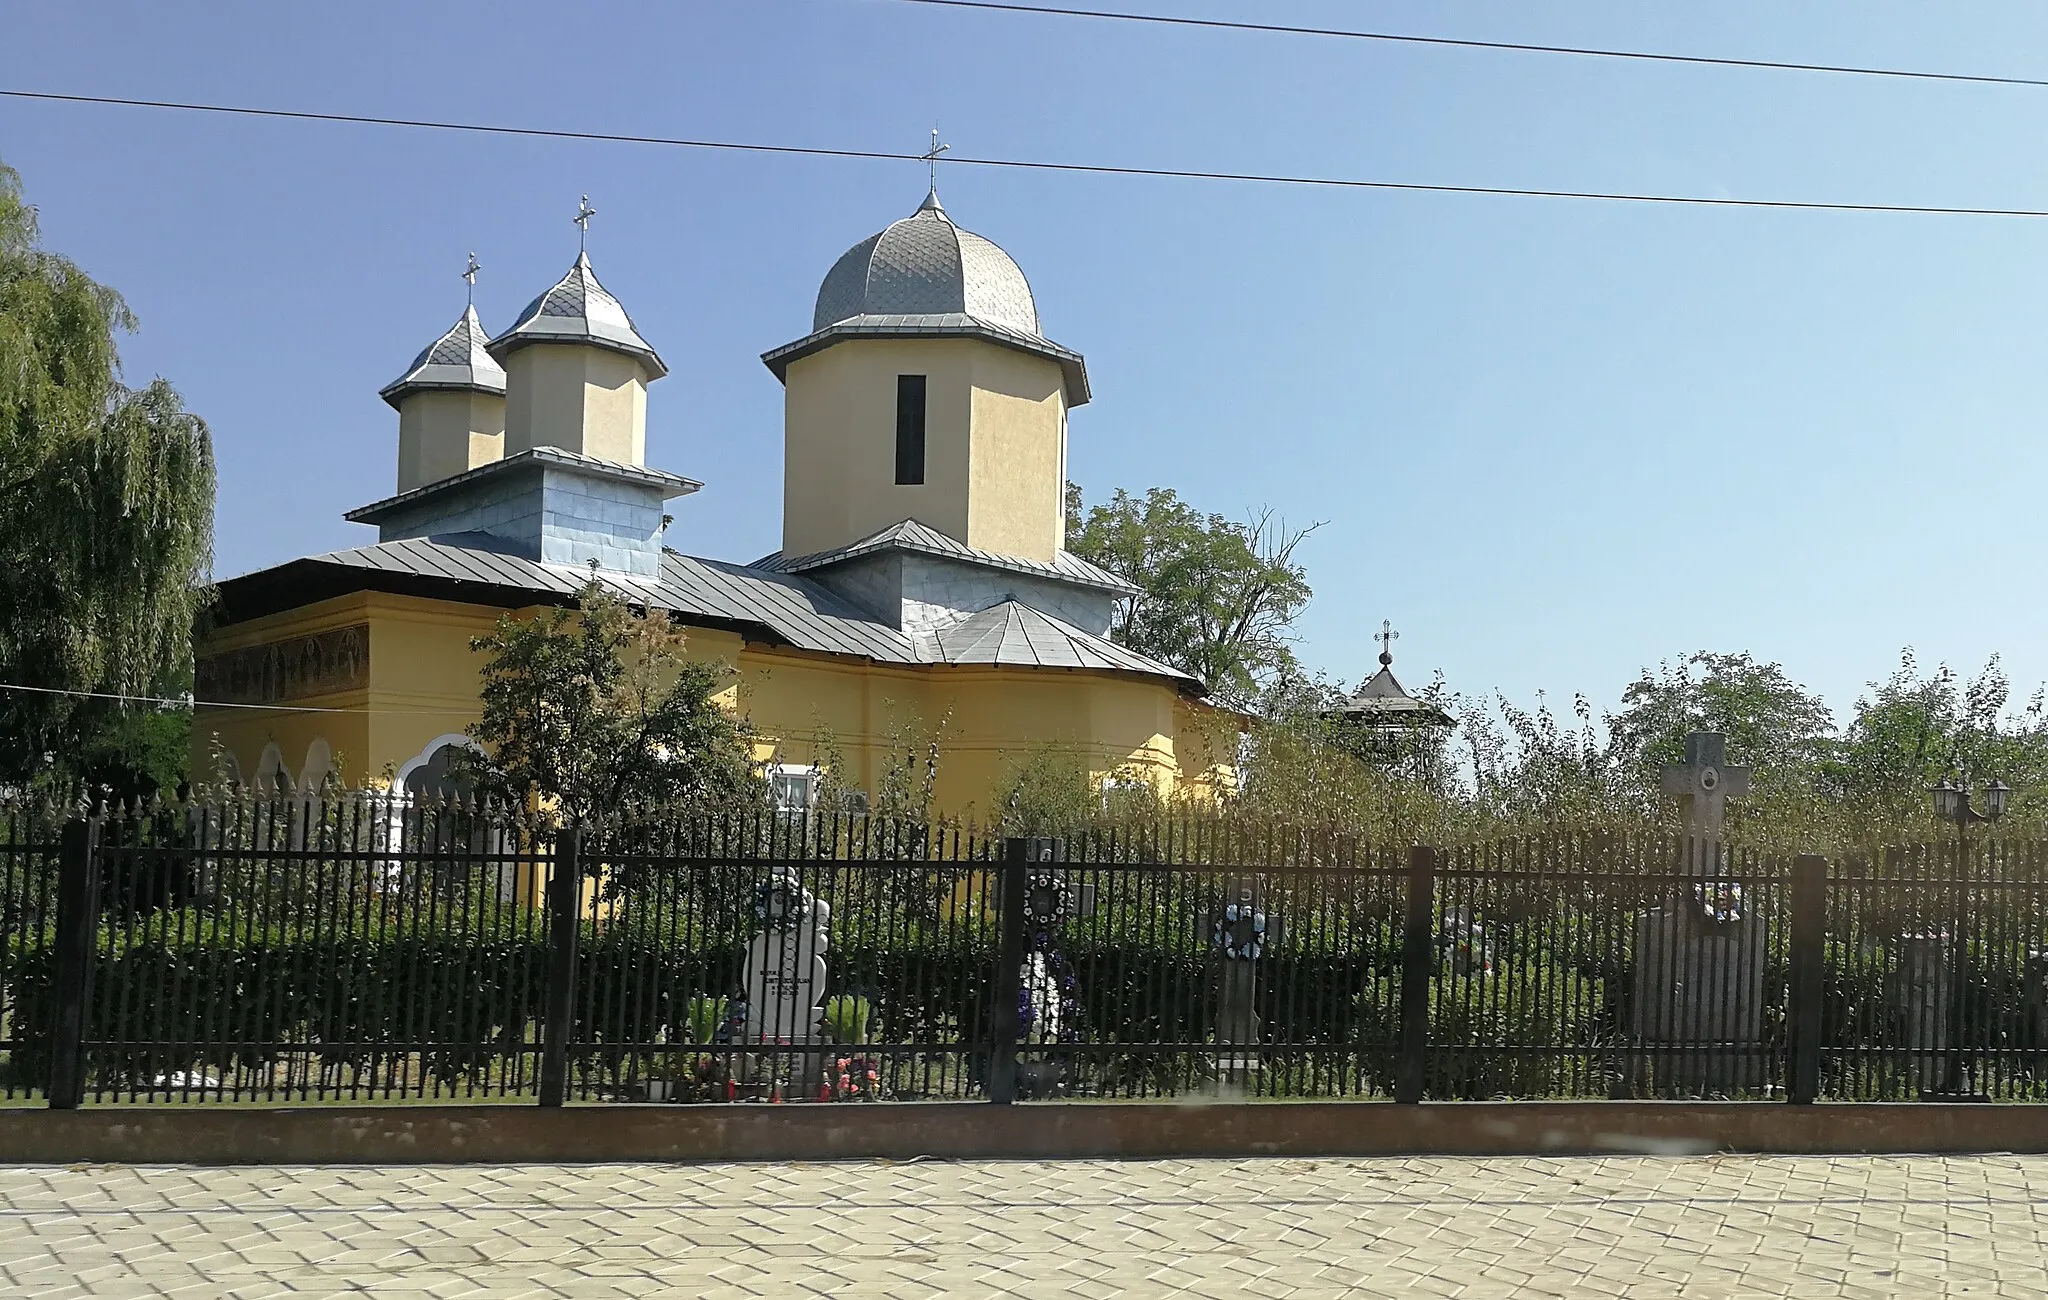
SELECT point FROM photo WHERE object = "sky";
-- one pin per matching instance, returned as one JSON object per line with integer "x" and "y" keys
{"x": 1554, "y": 441}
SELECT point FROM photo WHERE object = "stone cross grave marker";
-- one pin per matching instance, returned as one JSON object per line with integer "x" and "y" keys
{"x": 1698, "y": 977}
{"x": 1239, "y": 932}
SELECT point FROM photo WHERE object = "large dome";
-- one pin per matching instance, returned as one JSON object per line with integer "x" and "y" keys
{"x": 924, "y": 265}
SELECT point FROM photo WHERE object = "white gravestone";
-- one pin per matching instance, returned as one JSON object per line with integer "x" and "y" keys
{"x": 785, "y": 981}
{"x": 1698, "y": 970}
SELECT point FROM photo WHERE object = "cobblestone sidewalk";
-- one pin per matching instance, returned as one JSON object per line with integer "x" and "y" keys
{"x": 1275, "y": 1229}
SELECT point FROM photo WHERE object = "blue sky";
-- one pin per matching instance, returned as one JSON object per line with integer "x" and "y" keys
{"x": 1554, "y": 441}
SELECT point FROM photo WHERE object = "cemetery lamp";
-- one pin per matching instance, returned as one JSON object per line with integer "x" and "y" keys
{"x": 1952, "y": 804}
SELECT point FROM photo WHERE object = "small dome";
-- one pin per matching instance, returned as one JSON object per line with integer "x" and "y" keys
{"x": 578, "y": 310}
{"x": 924, "y": 265}
{"x": 456, "y": 360}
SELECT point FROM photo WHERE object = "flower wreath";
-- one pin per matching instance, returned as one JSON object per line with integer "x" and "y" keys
{"x": 1240, "y": 933}
{"x": 778, "y": 903}
{"x": 1053, "y": 891}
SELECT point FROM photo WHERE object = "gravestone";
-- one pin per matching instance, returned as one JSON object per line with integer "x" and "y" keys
{"x": 785, "y": 978}
{"x": 1466, "y": 939}
{"x": 1239, "y": 933}
{"x": 1045, "y": 983}
{"x": 1922, "y": 992}
{"x": 1698, "y": 976}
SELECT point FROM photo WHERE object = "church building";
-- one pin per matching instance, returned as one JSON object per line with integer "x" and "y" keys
{"x": 922, "y": 588}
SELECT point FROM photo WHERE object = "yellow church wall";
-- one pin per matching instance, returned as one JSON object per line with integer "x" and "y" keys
{"x": 584, "y": 399}
{"x": 988, "y": 722}
{"x": 444, "y": 433}
{"x": 423, "y": 682}
{"x": 994, "y": 446}
{"x": 241, "y": 735}
{"x": 1017, "y": 471}
{"x": 839, "y": 441}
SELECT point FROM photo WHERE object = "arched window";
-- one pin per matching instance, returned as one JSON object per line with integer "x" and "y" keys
{"x": 422, "y": 824}
{"x": 272, "y": 776}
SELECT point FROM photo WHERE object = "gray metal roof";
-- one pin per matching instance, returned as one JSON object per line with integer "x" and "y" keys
{"x": 791, "y": 608}
{"x": 924, "y": 265}
{"x": 1382, "y": 699}
{"x": 457, "y": 360}
{"x": 578, "y": 310}
{"x": 1013, "y": 633}
{"x": 673, "y": 485}
{"x": 924, "y": 277}
{"x": 910, "y": 535}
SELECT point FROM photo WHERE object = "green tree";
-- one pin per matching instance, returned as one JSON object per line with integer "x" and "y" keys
{"x": 1217, "y": 598}
{"x": 106, "y": 517}
{"x": 595, "y": 714}
{"x": 1912, "y": 730}
{"x": 1784, "y": 730}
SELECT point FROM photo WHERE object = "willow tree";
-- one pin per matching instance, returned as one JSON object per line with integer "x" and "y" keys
{"x": 106, "y": 514}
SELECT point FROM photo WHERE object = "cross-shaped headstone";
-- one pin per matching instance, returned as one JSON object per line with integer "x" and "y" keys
{"x": 1704, "y": 783}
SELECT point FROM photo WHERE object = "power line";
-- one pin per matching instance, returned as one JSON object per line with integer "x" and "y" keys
{"x": 187, "y": 702}
{"x": 1023, "y": 164}
{"x": 1594, "y": 52}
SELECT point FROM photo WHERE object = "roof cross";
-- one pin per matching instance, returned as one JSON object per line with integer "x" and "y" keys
{"x": 931, "y": 158}
{"x": 584, "y": 213}
{"x": 1386, "y": 636}
{"x": 469, "y": 275}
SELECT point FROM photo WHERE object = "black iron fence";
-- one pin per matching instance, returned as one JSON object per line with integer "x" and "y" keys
{"x": 369, "y": 948}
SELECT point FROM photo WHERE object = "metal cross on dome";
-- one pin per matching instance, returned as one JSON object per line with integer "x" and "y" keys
{"x": 584, "y": 212}
{"x": 931, "y": 158}
{"x": 1386, "y": 636}
{"x": 469, "y": 275}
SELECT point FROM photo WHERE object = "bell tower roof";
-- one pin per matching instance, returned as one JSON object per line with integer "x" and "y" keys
{"x": 455, "y": 361}
{"x": 577, "y": 309}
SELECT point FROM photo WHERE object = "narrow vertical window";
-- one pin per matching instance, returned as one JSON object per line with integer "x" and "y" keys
{"x": 910, "y": 428}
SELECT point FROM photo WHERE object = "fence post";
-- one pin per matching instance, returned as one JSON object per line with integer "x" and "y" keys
{"x": 558, "y": 1020}
{"x": 1803, "y": 996}
{"x": 78, "y": 923}
{"x": 1418, "y": 964}
{"x": 1004, "y": 1026}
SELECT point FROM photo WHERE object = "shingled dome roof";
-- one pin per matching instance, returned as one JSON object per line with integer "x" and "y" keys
{"x": 924, "y": 265}
{"x": 922, "y": 277}
{"x": 578, "y": 310}
{"x": 457, "y": 360}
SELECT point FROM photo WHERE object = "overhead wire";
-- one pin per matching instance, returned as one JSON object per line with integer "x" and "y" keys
{"x": 1522, "y": 47}
{"x": 188, "y": 702}
{"x": 1024, "y": 164}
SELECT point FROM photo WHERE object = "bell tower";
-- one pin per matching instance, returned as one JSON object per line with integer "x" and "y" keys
{"x": 925, "y": 392}
{"x": 450, "y": 403}
{"x": 576, "y": 369}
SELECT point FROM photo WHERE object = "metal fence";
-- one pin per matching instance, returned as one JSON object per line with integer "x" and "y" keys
{"x": 370, "y": 948}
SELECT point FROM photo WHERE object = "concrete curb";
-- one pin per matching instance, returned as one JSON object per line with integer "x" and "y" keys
{"x": 960, "y": 1130}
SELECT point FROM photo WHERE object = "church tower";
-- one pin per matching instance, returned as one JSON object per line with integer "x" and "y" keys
{"x": 450, "y": 404}
{"x": 576, "y": 371}
{"x": 925, "y": 392}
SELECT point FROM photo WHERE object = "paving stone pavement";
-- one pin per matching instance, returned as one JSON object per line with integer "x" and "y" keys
{"x": 1278, "y": 1229}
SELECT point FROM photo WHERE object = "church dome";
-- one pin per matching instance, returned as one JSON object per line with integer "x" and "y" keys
{"x": 578, "y": 310}
{"x": 925, "y": 266}
{"x": 456, "y": 360}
